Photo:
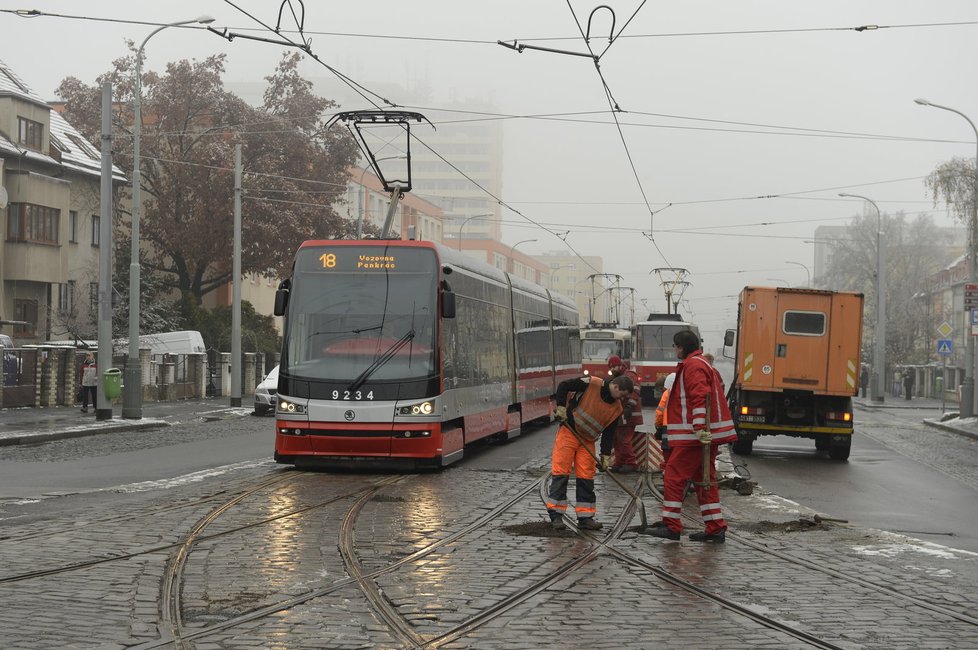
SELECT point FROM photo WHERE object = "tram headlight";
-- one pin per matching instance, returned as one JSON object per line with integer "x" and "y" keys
{"x": 422, "y": 408}
{"x": 285, "y": 406}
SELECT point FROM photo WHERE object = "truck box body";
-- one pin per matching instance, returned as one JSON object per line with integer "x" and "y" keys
{"x": 799, "y": 339}
{"x": 797, "y": 366}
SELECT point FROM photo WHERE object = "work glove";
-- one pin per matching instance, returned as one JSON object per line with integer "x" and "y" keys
{"x": 627, "y": 414}
{"x": 659, "y": 432}
{"x": 561, "y": 413}
{"x": 704, "y": 436}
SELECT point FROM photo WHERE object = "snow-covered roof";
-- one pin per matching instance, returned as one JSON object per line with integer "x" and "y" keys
{"x": 77, "y": 153}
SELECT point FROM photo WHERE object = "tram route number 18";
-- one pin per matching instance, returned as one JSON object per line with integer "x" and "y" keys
{"x": 328, "y": 260}
{"x": 352, "y": 395}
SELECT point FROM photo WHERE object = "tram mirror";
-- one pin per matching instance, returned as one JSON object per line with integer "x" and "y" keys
{"x": 448, "y": 304}
{"x": 446, "y": 270}
{"x": 281, "y": 302}
{"x": 728, "y": 337}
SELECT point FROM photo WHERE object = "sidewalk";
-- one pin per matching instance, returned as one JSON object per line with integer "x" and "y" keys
{"x": 948, "y": 421}
{"x": 30, "y": 425}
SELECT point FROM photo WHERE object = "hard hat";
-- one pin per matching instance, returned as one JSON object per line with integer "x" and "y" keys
{"x": 614, "y": 360}
{"x": 670, "y": 380}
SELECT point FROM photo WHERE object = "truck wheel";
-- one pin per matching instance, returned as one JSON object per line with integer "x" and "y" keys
{"x": 742, "y": 446}
{"x": 840, "y": 450}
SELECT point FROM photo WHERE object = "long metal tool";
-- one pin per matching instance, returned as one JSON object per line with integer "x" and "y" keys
{"x": 705, "y": 482}
{"x": 631, "y": 493}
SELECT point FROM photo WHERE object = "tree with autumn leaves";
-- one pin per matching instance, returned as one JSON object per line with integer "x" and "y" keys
{"x": 294, "y": 168}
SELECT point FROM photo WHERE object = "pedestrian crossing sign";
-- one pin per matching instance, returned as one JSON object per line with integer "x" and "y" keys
{"x": 944, "y": 347}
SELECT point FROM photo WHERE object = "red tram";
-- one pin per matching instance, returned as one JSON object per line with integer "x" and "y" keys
{"x": 404, "y": 352}
{"x": 598, "y": 343}
{"x": 653, "y": 354}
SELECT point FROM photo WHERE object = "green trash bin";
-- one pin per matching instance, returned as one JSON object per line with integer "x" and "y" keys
{"x": 112, "y": 380}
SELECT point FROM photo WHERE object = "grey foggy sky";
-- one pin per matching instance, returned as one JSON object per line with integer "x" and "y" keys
{"x": 574, "y": 175}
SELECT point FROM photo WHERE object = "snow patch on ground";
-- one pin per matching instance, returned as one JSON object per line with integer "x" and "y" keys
{"x": 903, "y": 544}
{"x": 195, "y": 477}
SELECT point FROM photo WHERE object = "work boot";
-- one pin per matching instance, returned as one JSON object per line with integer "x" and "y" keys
{"x": 605, "y": 462}
{"x": 558, "y": 524}
{"x": 664, "y": 532}
{"x": 84, "y": 409}
{"x": 657, "y": 524}
{"x": 625, "y": 469}
{"x": 589, "y": 524}
{"x": 717, "y": 538}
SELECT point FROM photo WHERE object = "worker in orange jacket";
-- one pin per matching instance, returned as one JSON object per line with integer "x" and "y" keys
{"x": 662, "y": 418}
{"x": 595, "y": 409}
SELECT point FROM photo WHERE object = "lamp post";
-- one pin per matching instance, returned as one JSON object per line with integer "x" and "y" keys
{"x": 877, "y": 381}
{"x": 512, "y": 261}
{"x": 968, "y": 390}
{"x": 132, "y": 399}
{"x": 468, "y": 219}
{"x": 809, "y": 283}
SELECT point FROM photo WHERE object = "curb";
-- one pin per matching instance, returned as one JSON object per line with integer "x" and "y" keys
{"x": 28, "y": 438}
{"x": 946, "y": 427}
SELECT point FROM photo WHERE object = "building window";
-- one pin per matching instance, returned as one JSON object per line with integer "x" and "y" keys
{"x": 25, "y": 310}
{"x": 96, "y": 220}
{"x": 32, "y": 223}
{"x": 73, "y": 226}
{"x": 29, "y": 133}
{"x": 66, "y": 297}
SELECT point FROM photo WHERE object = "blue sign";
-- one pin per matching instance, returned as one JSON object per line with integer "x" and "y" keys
{"x": 974, "y": 316}
{"x": 945, "y": 347}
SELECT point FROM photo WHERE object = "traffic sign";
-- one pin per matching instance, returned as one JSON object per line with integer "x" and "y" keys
{"x": 945, "y": 347}
{"x": 945, "y": 329}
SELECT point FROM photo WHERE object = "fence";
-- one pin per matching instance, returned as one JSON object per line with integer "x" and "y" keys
{"x": 49, "y": 376}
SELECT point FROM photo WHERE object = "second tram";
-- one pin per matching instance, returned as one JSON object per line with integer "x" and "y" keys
{"x": 653, "y": 354}
{"x": 404, "y": 352}
{"x": 599, "y": 343}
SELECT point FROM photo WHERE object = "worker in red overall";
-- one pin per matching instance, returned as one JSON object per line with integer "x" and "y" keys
{"x": 624, "y": 437}
{"x": 698, "y": 418}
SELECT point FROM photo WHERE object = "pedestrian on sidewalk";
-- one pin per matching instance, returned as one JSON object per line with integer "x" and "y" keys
{"x": 88, "y": 379}
{"x": 864, "y": 380}
{"x": 908, "y": 383}
{"x": 698, "y": 418}
{"x": 596, "y": 408}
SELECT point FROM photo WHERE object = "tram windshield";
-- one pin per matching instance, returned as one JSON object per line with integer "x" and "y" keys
{"x": 601, "y": 348}
{"x": 654, "y": 342}
{"x": 362, "y": 314}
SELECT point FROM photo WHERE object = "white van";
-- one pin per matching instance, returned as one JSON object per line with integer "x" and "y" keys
{"x": 183, "y": 342}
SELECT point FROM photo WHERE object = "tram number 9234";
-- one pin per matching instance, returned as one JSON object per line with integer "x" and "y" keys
{"x": 352, "y": 395}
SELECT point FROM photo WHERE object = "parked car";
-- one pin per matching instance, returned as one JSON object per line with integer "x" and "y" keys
{"x": 266, "y": 394}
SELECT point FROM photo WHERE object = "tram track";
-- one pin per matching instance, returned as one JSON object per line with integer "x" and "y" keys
{"x": 830, "y": 571}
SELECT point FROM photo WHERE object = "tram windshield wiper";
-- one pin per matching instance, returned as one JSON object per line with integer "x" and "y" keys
{"x": 382, "y": 359}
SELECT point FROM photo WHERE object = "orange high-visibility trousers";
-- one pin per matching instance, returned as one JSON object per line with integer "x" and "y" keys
{"x": 570, "y": 456}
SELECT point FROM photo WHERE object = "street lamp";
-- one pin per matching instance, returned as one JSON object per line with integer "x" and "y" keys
{"x": 132, "y": 400}
{"x": 474, "y": 216}
{"x": 512, "y": 261}
{"x": 877, "y": 381}
{"x": 809, "y": 283}
{"x": 968, "y": 390}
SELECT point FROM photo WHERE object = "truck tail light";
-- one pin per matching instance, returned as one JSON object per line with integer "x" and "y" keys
{"x": 749, "y": 410}
{"x": 842, "y": 416}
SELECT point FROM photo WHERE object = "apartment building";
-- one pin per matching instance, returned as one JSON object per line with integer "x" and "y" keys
{"x": 49, "y": 248}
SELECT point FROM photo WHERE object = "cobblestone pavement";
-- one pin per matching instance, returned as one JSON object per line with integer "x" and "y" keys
{"x": 272, "y": 570}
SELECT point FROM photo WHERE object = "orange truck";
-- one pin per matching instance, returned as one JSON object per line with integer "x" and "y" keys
{"x": 797, "y": 366}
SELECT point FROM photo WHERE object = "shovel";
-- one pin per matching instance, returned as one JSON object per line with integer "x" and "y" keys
{"x": 638, "y": 499}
